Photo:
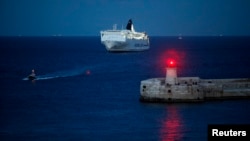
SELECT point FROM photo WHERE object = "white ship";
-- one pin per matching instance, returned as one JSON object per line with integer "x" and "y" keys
{"x": 125, "y": 40}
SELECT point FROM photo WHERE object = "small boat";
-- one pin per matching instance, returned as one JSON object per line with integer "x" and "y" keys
{"x": 180, "y": 37}
{"x": 32, "y": 76}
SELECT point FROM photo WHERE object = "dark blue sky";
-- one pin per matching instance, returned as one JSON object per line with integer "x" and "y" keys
{"x": 156, "y": 17}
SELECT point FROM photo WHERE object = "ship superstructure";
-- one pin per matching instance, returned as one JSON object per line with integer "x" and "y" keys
{"x": 125, "y": 40}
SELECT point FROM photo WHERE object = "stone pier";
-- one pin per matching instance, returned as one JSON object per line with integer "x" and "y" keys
{"x": 192, "y": 89}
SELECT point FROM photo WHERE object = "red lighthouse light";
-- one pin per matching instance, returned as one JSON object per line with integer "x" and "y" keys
{"x": 171, "y": 63}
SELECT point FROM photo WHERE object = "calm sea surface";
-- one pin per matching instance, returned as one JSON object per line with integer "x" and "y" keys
{"x": 84, "y": 92}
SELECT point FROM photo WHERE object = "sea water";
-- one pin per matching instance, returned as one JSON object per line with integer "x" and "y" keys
{"x": 84, "y": 92}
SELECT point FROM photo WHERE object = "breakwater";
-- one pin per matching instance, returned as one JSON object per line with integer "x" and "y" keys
{"x": 192, "y": 89}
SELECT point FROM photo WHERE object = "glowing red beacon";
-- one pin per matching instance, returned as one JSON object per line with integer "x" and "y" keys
{"x": 171, "y": 63}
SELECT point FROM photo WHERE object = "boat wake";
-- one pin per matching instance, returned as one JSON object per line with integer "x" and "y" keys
{"x": 99, "y": 68}
{"x": 61, "y": 74}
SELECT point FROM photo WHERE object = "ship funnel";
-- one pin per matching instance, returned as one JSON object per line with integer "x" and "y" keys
{"x": 129, "y": 25}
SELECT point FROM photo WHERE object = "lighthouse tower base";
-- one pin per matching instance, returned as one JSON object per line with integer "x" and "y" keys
{"x": 171, "y": 76}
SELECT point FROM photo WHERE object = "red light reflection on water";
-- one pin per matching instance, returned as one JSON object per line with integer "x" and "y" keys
{"x": 172, "y": 126}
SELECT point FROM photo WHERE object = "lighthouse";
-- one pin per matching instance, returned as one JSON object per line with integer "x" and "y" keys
{"x": 171, "y": 74}
{"x": 191, "y": 89}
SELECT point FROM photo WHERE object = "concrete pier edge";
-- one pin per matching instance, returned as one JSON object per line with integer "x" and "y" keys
{"x": 161, "y": 100}
{"x": 173, "y": 89}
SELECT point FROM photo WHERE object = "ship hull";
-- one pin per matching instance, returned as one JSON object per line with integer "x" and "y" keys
{"x": 128, "y": 45}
